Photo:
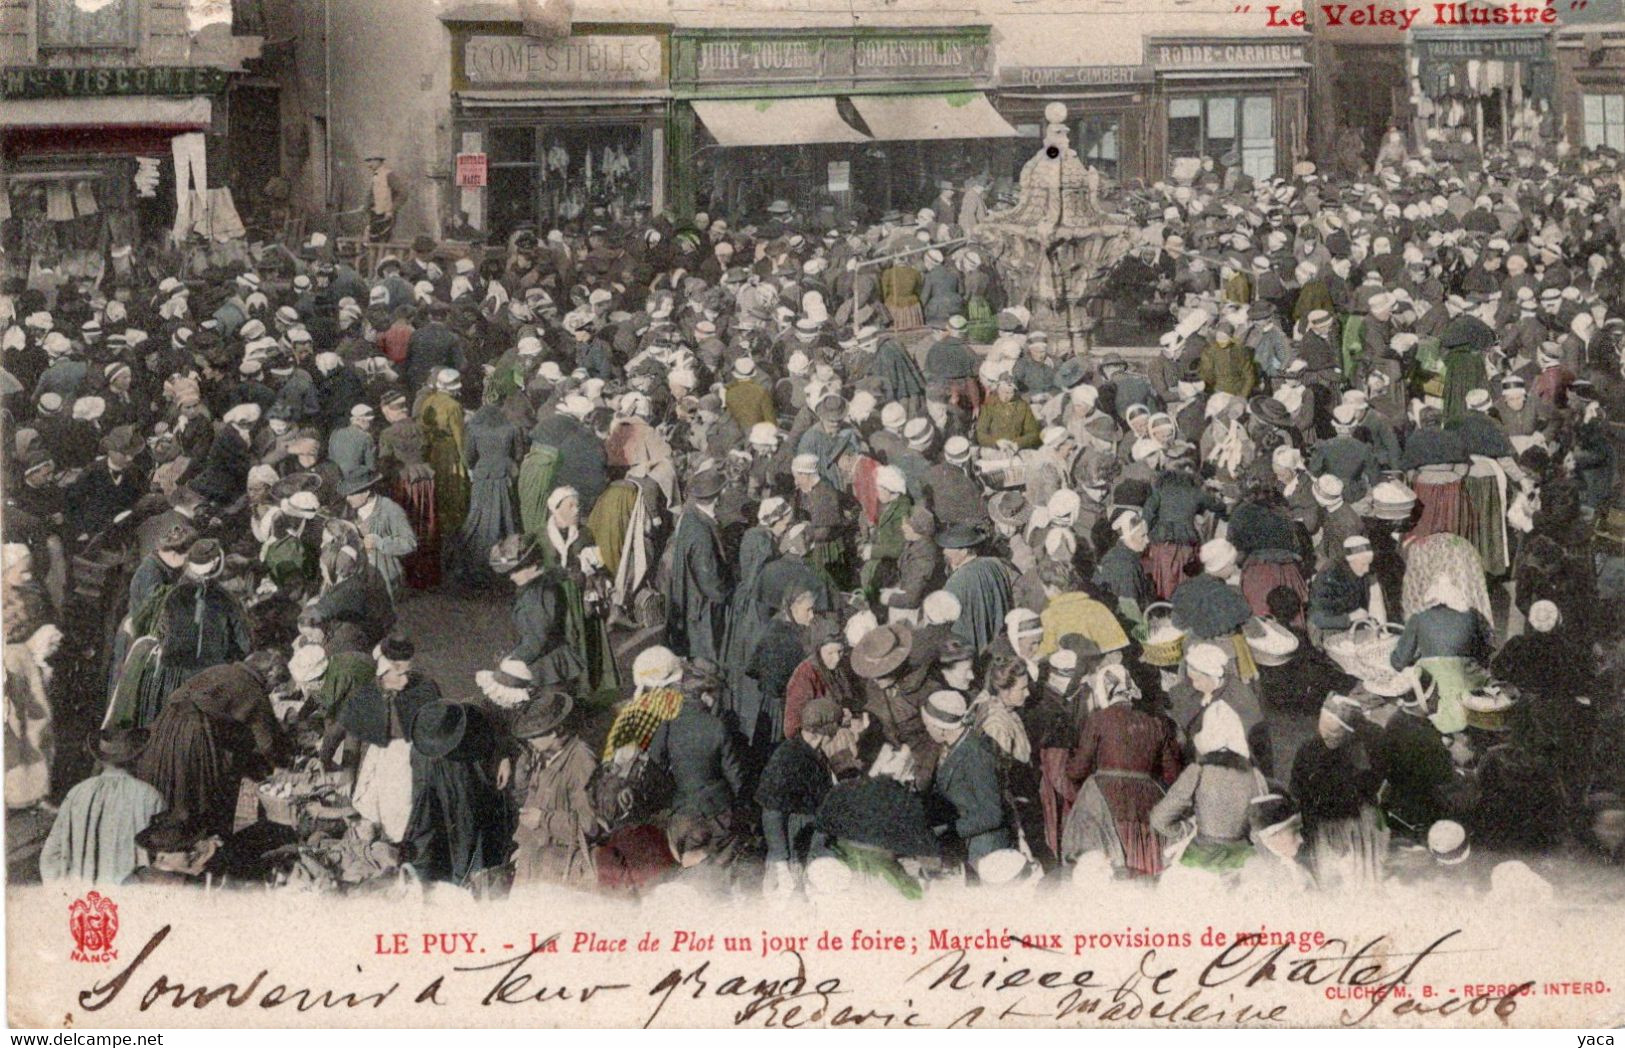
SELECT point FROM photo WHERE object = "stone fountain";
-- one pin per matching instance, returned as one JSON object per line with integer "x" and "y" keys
{"x": 1055, "y": 244}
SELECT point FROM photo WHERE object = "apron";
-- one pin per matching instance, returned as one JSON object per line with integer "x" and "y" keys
{"x": 383, "y": 787}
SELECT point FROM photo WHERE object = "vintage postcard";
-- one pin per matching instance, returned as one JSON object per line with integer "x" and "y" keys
{"x": 784, "y": 514}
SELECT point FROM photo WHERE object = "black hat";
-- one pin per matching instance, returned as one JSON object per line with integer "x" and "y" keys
{"x": 204, "y": 553}
{"x": 542, "y": 714}
{"x": 358, "y": 480}
{"x": 1269, "y": 411}
{"x": 708, "y": 485}
{"x": 961, "y": 536}
{"x": 439, "y": 728}
{"x": 171, "y": 831}
{"x": 119, "y": 746}
{"x": 453, "y": 731}
{"x": 1071, "y": 373}
{"x": 396, "y": 647}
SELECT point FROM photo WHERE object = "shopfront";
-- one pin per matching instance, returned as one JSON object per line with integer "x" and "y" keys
{"x": 1499, "y": 85}
{"x": 1106, "y": 107}
{"x": 830, "y": 120}
{"x": 1240, "y": 103}
{"x": 92, "y": 158}
{"x": 562, "y": 132}
{"x": 1591, "y": 85}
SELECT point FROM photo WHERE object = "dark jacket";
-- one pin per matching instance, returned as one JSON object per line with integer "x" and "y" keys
{"x": 224, "y": 475}
{"x": 582, "y": 464}
{"x": 965, "y": 796}
{"x": 96, "y": 498}
{"x": 697, "y": 587}
{"x": 1442, "y": 632}
{"x": 432, "y": 346}
{"x": 919, "y": 573}
{"x": 794, "y": 783}
{"x": 703, "y": 759}
{"x": 1175, "y": 501}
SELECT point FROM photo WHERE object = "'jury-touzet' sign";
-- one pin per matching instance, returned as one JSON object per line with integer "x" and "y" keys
{"x": 603, "y": 59}
{"x": 27, "y": 82}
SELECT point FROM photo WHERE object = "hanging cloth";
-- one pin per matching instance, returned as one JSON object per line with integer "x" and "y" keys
{"x": 58, "y": 202}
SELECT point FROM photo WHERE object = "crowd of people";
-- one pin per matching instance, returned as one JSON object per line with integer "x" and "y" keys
{"x": 825, "y": 568}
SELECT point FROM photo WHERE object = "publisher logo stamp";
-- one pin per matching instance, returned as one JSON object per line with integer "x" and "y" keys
{"x": 93, "y": 920}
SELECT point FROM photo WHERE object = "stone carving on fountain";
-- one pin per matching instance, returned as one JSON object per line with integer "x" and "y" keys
{"x": 1055, "y": 244}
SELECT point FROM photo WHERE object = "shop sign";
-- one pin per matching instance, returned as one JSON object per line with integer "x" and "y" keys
{"x": 472, "y": 171}
{"x": 917, "y": 56}
{"x": 760, "y": 59}
{"x": 1482, "y": 49}
{"x": 601, "y": 59}
{"x": 1073, "y": 76}
{"x": 1225, "y": 54}
{"x": 731, "y": 59}
{"x": 31, "y": 82}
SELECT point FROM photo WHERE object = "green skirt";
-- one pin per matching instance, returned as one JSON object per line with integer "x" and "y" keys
{"x": 830, "y": 560}
{"x": 1216, "y": 856}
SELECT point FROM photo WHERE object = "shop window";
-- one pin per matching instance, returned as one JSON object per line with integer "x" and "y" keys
{"x": 1097, "y": 143}
{"x": 1604, "y": 121}
{"x": 565, "y": 173}
{"x": 1228, "y": 129}
{"x": 73, "y": 24}
{"x": 1185, "y": 127}
{"x": 1258, "y": 136}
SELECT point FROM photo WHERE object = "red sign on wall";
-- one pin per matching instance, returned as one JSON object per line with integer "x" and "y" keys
{"x": 471, "y": 171}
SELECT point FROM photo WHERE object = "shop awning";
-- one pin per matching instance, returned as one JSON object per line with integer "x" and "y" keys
{"x": 910, "y": 118}
{"x": 141, "y": 110}
{"x": 776, "y": 122}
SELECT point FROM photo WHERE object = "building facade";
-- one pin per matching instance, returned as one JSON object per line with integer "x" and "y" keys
{"x": 122, "y": 121}
{"x": 820, "y": 118}
{"x": 1154, "y": 94}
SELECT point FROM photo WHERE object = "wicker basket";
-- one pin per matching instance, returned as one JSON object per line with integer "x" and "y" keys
{"x": 1170, "y": 648}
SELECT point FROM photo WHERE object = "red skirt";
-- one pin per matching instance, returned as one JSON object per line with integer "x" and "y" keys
{"x": 1261, "y": 576}
{"x": 422, "y": 565}
{"x": 1167, "y": 563}
{"x": 1441, "y": 510}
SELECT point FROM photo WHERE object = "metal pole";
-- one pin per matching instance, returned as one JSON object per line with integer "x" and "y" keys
{"x": 916, "y": 251}
{"x": 327, "y": 105}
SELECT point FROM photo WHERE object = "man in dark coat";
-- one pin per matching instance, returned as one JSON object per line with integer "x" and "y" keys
{"x": 432, "y": 347}
{"x": 952, "y": 494}
{"x": 700, "y": 753}
{"x": 919, "y": 569}
{"x": 110, "y": 486}
{"x": 582, "y": 464}
{"x": 965, "y": 794}
{"x": 697, "y": 587}
{"x": 223, "y": 478}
